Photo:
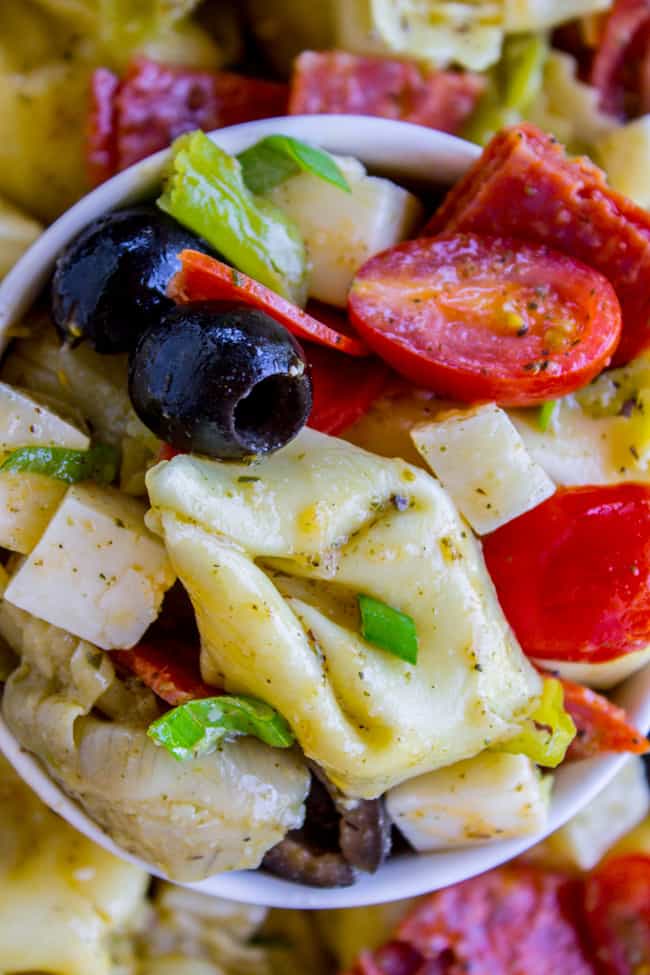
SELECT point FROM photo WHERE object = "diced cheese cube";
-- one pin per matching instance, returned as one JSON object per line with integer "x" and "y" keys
{"x": 27, "y": 502}
{"x": 585, "y": 839}
{"x": 342, "y": 230}
{"x": 97, "y": 571}
{"x": 483, "y": 463}
{"x": 26, "y": 421}
{"x": 492, "y": 796}
{"x": 601, "y": 676}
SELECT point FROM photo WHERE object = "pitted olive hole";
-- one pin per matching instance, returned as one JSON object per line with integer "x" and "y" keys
{"x": 273, "y": 409}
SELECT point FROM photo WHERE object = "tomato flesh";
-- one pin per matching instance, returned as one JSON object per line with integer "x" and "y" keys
{"x": 204, "y": 278}
{"x": 474, "y": 317}
{"x": 573, "y": 574}
{"x": 617, "y": 904}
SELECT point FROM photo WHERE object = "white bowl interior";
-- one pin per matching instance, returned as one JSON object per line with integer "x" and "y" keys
{"x": 405, "y": 151}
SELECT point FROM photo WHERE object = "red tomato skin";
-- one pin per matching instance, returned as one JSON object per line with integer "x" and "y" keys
{"x": 326, "y": 82}
{"x": 204, "y": 278}
{"x": 601, "y": 725}
{"x": 170, "y": 668}
{"x": 573, "y": 574}
{"x": 101, "y": 131}
{"x": 526, "y": 186}
{"x": 343, "y": 388}
{"x": 405, "y": 302}
{"x": 617, "y": 906}
{"x": 516, "y": 920}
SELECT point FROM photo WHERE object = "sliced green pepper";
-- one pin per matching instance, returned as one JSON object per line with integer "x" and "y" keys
{"x": 548, "y": 732}
{"x": 205, "y": 191}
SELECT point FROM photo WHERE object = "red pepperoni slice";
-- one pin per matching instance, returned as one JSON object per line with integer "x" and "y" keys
{"x": 512, "y": 921}
{"x": 326, "y": 82}
{"x": 155, "y": 103}
{"x": 486, "y": 318}
{"x": 601, "y": 726}
{"x": 618, "y": 63}
{"x": 524, "y": 185}
{"x": 204, "y": 278}
{"x": 101, "y": 135}
{"x": 343, "y": 388}
{"x": 170, "y": 668}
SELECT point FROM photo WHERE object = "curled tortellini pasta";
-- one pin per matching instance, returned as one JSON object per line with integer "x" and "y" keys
{"x": 190, "y": 819}
{"x": 274, "y": 556}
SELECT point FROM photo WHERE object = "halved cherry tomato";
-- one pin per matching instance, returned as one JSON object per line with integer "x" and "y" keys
{"x": 516, "y": 920}
{"x": 617, "y": 905}
{"x": 573, "y": 574}
{"x": 486, "y": 318}
{"x": 169, "y": 668}
{"x": 343, "y": 388}
{"x": 601, "y": 725}
{"x": 204, "y": 278}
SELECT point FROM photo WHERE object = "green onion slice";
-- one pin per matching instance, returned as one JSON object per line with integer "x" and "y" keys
{"x": 547, "y": 413}
{"x": 277, "y": 157}
{"x": 197, "y": 727}
{"x": 388, "y": 628}
{"x": 99, "y": 464}
{"x": 205, "y": 191}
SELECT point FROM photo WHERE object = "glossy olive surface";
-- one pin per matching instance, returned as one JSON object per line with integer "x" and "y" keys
{"x": 222, "y": 380}
{"x": 110, "y": 283}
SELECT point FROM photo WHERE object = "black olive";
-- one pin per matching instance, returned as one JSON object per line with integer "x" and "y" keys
{"x": 110, "y": 283}
{"x": 220, "y": 379}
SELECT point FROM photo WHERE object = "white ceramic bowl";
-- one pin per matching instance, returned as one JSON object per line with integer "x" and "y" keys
{"x": 401, "y": 150}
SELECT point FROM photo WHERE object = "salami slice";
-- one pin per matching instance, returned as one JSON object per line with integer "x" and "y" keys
{"x": 170, "y": 669}
{"x": 101, "y": 144}
{"x": 602, "y": 726}
{"x": 618, "y": 64}
{"x": 524, "y": 185}
{"x": 513, "y": 921}
{"x": 331, "y": 82}
{"x": 155, "y": 103}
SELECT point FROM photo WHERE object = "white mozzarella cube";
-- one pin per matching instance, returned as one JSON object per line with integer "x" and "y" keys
{"x": 97, "y": 571}
{"x": 490, "y": 797}
{"x": 27, "y": 421}
{"x": 27, "y": 502}
{"x": 621, "y": 806}
{"x": 602, "y": 676}
{"x": 342, "y": 230}
{"x": 483, "y": 463}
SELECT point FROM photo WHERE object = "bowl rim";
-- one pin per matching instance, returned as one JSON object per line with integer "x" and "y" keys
{"x": 422, "y": 153}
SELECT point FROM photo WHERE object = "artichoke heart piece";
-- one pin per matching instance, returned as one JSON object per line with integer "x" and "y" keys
{"x": 190, "y": 820}
{"x": 274, "y": 556}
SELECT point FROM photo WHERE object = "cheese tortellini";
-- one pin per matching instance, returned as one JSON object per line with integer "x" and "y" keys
{"x": 189, "y": 819}
{"x": 274, "y": 556}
